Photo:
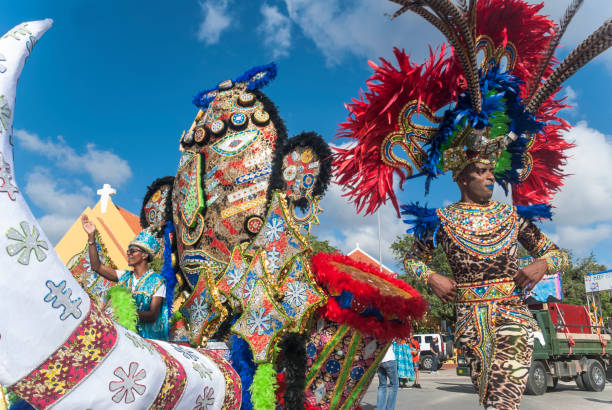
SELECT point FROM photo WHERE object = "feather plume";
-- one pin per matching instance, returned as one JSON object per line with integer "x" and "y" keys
{"x": 591, "y": 47}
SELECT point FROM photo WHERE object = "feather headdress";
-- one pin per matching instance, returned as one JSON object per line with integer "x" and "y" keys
{"x": 500, "y": 108}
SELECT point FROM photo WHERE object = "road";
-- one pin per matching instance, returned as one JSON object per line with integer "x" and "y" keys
{"x": 446, "y": 390}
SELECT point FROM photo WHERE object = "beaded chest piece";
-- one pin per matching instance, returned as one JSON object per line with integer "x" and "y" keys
{"x": 484, "y": 231}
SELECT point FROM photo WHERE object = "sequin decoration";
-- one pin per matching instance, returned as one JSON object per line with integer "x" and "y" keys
{"x": 234, "y": 272}
{"x": 254, "y": 224}
{"x": 301, "y": 168}
{"x": 301, "y": 295}
{"x": 190, "y": 187}
{"x": 217, "y": 127}
{"x": 278, "y": 238}
{"x": 88, "y": 345}
{"x": 261, "y": 117}
{"x": 190, "y": 236}
{"x": 341, "y": 364}
{"x": 310, "y": 216}
{"x": 246, "y": 99}
{"x": 262, "y": 323}
{"x": 484, "y": 231}
{"x": 239, "y": 120}
{"x": 203, "y": 309}
{"x": 243, "y": 291}
{"x": 234, "y": 144}
{"x": 155, "y": 207}
{"x": 199, "y": 134}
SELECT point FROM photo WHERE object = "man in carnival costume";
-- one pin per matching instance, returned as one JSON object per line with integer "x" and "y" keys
{"x": 148, "y": 287}
{"x": 502, "y": 128}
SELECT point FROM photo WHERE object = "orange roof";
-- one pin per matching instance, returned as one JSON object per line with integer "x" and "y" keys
{"x": 360, "y": 255}
{"x": 132, "y": 220}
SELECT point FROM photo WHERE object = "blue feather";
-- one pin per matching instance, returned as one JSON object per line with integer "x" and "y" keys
{"x": 242, "y": 361}
{"x": 167, "y": 270}
{"x": 535, "y": 211}
{"x": 268, "y": 74}
{"x": 425, "y": 220}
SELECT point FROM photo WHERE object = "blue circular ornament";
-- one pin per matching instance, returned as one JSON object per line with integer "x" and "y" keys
{"x": 357, "y": 372}
{"x": 311, "y": 350}
{"x": 332, "y": 366}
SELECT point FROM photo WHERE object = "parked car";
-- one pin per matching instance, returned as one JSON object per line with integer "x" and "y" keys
{"x": 445, "y": 346}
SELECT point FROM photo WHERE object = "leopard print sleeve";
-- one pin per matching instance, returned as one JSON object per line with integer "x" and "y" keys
{"x": 540, "y": 246}
{"x": 416, "y": 259}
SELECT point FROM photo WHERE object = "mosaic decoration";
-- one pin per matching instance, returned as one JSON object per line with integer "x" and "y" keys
{"x": 261, "y": 323}
{"x": 278, "y": 238}
{"x": 193, "y": 261}
{"x": 300, "y": 294}
{"x": 6, "y": 184}
{"x": 233, "y": 274}
{"x": 300, "y": 171}
{"x": 191, "y": 235}
{"x": 341, "y": 363}
{"x": 174, "y": 382}
{"x": 203, "y": 309}
{"x": 59, "y": 297}
{"x": 190, "y": 187}
{"x": 311, "y": 216}
{"x": 254, "y": 224}
{"x": 490, "y": 290}
{"x": 484, "y": 231}
{"x": 26, "y": 242}
{"x": 88, "y": 345}
{"x": 155, "y": 207}
{"x": 244, "y": 289}
{"x": 94, "y": 284}
{"x": 128, "y": 386}
{"x": 234, "y": 144}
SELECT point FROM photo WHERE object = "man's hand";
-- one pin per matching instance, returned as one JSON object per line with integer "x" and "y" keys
{"x": 444, "y": 288}
{"x": 88, "y": 226}
{"x": 530, "y": 275}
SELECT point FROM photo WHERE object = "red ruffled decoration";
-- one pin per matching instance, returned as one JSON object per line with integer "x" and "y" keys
{"x": 402, "y": 309}
{"x": 375, "y": 114}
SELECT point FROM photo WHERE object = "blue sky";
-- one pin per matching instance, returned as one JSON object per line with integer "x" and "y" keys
{"x": 107, "y": 92}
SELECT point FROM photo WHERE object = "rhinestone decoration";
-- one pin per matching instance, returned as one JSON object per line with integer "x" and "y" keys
{"x": 246, "y": 99}
{"x": 199, "y": 134}
{"x": 261, "y": 117}
{"x": 217, "y": 127}
{"x": 238, "y": 120}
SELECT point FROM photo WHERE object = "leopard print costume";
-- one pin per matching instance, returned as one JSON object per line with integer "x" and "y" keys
{"x": 504, "y": 341}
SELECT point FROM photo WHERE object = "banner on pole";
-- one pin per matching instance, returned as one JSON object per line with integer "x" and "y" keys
{"x": 599, "y": 281}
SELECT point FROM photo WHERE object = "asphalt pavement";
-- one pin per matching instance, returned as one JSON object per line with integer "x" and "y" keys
{"x": 446, "y": 390}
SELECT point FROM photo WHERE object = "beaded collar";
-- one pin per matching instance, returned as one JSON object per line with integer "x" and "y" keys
{"x": 484, "y": 231}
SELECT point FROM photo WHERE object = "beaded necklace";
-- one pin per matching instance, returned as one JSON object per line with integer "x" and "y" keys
{"x": 484, "y": 231}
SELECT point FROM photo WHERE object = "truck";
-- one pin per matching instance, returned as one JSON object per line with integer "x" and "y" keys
{"x": 445, "y": 347}
{"x": 568, "y": 346}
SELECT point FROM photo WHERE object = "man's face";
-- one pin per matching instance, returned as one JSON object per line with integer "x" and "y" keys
{"x": 476, "y": 182}
{"x": 135, "y": 255}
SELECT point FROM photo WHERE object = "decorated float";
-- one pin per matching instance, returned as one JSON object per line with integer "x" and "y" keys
{"x": 297, "y": 329}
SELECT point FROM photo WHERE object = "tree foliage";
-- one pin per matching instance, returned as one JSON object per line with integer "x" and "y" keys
{"x": 572, "y": 282}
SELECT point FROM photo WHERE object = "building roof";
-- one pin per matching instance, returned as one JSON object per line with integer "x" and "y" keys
{"x": 116, "y": 227}
{"x": 360, "y": 255}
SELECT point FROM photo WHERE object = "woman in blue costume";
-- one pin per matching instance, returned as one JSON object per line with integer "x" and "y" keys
{"x": 148, "y": 287}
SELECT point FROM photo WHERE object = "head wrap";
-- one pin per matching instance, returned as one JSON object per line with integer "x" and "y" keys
{"x": 146, "y": 241}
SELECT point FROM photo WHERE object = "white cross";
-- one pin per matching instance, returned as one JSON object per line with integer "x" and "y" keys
{"x": 105, "y": 194}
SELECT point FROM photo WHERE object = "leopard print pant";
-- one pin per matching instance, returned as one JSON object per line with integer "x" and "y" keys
{"x": 510, "y": 364}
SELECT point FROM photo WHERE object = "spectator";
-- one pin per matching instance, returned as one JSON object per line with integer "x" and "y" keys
{"x": 435, "y": 351}
{"x": 415, "y": 350}
{"x": 403, "y": 357}
{"x": 387, "y": 370}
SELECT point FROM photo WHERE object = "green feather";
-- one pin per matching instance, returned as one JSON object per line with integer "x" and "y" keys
{"x": 123, "y": 306}
{"x": 263, "y": 389}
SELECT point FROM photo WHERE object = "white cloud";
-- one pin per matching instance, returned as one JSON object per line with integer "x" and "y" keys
{"x": 61, "y": 207}
{"x": 581, "y": 239}
{"x": 361, "y": 28}
{"x": 344, "y": 228}
{"x": 102, "y": 166}
{"x": 276, "y": 29}
{"x": 571, "y": 99}
{"x": 592, "y": 14}
{"x": 587, "y": 193}
{"x": 216, "y": 20}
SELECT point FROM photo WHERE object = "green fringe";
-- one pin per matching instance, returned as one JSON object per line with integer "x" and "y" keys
{"x": 176, "y": 317}
{"x": 263, "y": 389}
{"x": 124, "y": 307}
